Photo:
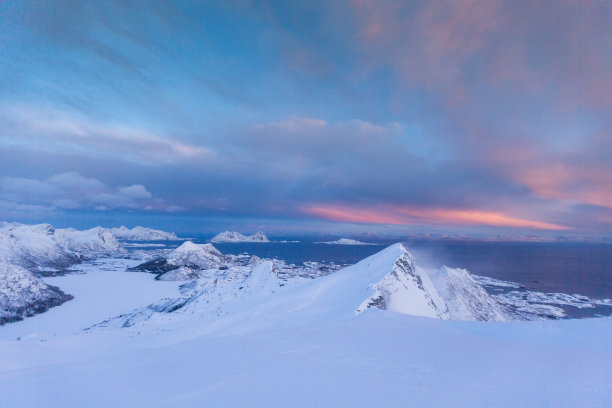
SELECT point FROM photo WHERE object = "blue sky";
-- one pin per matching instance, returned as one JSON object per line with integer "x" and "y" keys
{"x": 357, "y": 116}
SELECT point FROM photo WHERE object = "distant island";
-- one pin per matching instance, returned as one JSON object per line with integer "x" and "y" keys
{"x": 231, "y": 236}
{"x": 142, "y": 234}
{"x": 345, "y": 241}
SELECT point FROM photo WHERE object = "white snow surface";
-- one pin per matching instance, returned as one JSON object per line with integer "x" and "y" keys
{"x": 230, "y": 236}
{"x": 345, "y": 241}
{"x": 102, "y": 288}
{"x": 261, "y": 341}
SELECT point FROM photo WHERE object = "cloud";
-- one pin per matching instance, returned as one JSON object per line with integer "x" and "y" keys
{"x": 424, "y": 216}
{"x": 72, "y": 191}
{"x": 135, "y": 191}
{"x": 59, "y": 131}
{"x": 472, "y": 111}
{"x": 453, "y": 47}
{"x": 20, "y": 211}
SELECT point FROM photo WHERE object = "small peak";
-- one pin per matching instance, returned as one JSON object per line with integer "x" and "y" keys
{"x": 189, "y": 246}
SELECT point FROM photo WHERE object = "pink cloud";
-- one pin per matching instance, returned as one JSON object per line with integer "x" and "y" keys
{"x": 562, "y": 46}
{"x": 408, "y": 215}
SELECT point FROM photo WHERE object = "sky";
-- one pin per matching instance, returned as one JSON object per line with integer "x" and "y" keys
{"x": 481, "y": 117}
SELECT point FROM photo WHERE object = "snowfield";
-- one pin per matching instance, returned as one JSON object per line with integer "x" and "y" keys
{"x": 193, "y": 327}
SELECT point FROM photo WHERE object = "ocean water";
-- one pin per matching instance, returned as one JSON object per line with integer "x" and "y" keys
{"x": 573, "y": 268}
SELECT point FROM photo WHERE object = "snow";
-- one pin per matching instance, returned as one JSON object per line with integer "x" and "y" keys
{"x": 345, "y": 241}
{"x": 102, "y": 289}
{"x": 202, "y": 255}
{"x": 404, "y": 289}
{"x": 28, "y": 250}
{"x": 229, "y": 236}
{"x": 257, "y": 340}
{"x": 466, "y": 299}
{"x": 36, "y": 246}
{"x": 22, "y": 294}
{"x": 373, "y": 359}
{"x": 537, "y": 304}
{"x": 93, "y": 241}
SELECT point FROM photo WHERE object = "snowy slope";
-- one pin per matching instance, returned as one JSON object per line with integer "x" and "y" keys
{"x": 232, "y": 297}
{"x": 465, "y": 298}
{"x": 390, "y": 280}
{"x": 259, "y": 340}
{"x": 229, "y": 236}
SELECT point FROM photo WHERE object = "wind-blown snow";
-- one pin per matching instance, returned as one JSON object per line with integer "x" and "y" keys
{"x": 229, "y": 236}
{"x": 466, "y": 299}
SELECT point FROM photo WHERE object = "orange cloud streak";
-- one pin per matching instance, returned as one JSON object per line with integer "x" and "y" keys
{"x": 415, "y": 216}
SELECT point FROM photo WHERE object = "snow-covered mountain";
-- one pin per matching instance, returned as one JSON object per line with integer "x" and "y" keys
{"x": 23, "y": 294}
{"x": 256, "y": 324}
{"x": 41, "y": 246}
{"x": 231, "y": 236}
{"x": 388, "y": 280}
{"x": 142, "y": 234}
{"x": 404, "y": 288}
{"x": 26, "y": 251}
{"x": 200, "y": 256}
{"x": 189, "y": 261}
{"x": 204, "y": 262}
{"x": 89, "y": 243}
{"x": 345, "y": 241}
